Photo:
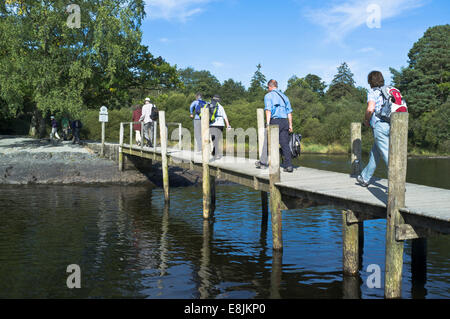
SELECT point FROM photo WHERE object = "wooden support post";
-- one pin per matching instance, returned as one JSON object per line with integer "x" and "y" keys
{"x": 396, "y": 199}
{"x": 355, "y": 136}
{"x": 275, "y": 194}
{"x": 206, "y": 153}
{"x": 261, "y": 130}
{"x": 356, "y": 162}
{"x": 164, "y": 163}
{"x": 350, "y": 246}
{"x": 120, "y": 148}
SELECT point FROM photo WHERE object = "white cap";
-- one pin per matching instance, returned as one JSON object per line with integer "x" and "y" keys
{"x": 147, "y": 99}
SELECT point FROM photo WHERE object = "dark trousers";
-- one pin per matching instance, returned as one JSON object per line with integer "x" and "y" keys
{"x": 76, "y": 135}
{"x": 283, "y": 125}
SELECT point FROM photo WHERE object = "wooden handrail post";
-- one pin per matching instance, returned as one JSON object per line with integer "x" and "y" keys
{"x": 398, "y": 147}
{"x": 142, "y": 137}
{"x": 275, "y": 194}
{"x": 261, "y": 133}
{"x": 180, "y": 137}
{"x": 131, "y": 135}
{"x": 120, "y": 147}
{"x": 261, "y": 130}
{"x": 164, "y": 163}
{"x": 155, "y": 132}
{"x": 355, "y": 148}
{"x": 206, "y": 153}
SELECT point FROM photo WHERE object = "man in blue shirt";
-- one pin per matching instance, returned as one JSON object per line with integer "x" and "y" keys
{"x": 197, "y": 123}
{"x": 278, "y": 111}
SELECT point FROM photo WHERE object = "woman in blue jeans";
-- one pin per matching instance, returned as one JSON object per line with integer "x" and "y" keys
{"x": 381, "y": 129}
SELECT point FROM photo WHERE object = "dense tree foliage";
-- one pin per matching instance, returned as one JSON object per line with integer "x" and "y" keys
{"x": 425, "y": 83}
{"x": 50, "y": 67}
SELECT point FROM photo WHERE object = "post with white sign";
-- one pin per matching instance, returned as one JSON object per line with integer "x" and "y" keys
{"x": 103, "y": 118}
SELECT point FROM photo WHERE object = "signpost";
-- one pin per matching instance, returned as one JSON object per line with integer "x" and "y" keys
{"x": 103, "y": 118}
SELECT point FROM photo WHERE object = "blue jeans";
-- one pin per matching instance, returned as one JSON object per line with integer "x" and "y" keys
{"x": 380, "y": 149}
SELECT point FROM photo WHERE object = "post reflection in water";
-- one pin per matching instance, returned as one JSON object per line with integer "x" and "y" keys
{"x": 163, "y": 248}
{"x": 351, "y": 287}
{"x": 275, "y": 276}
{"x": 205, "y": 271}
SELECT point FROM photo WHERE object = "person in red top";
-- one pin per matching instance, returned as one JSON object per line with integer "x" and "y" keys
{"x": 137, "y": 112}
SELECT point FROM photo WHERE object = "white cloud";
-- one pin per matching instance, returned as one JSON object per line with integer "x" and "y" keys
{"x": 366, "y": 50}
{"x": 170, "y": 10}
{"x": 164, "y": 40}
{"x": 343, "y": 18}
{"x": 217, "y": 64}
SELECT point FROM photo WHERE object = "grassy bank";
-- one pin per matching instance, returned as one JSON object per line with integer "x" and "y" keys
{"x": 335, "y": 148}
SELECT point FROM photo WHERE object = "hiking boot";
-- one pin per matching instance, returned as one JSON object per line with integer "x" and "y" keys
{"x": 258, "y": 164}
{"x": 361, "y": 181}
{"x": 289, "y": 169}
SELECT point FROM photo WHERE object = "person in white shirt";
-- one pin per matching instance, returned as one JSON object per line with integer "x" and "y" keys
{"x": 148, "y": 122}
{"x": 219, "y": 116}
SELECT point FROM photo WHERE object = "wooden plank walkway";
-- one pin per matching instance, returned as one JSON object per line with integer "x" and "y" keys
{"x": 422, "y": 201}
{"x": 412, "y": 212}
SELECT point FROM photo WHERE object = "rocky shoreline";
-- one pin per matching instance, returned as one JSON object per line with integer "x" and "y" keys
{"x": 25, "y": 160}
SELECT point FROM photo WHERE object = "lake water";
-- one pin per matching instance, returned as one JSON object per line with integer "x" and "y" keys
{"x": 128, "y": 244}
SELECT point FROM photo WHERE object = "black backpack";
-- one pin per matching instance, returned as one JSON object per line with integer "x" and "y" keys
{"x": 154, "y": 114}
{"x": 294, "y": 144}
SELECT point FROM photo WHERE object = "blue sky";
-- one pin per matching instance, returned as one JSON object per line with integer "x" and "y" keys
{"x": 289, "y": 37}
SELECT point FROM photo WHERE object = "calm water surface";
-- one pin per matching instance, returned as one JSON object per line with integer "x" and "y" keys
{"x": 128, "y": 245}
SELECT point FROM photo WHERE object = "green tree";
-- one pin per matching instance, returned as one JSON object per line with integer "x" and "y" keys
{"x": 425, "y": 84}
{"x": 48, "y": 67}
{"x": 231, "y": 91}
{"x": 316, "y": 84}
{"x": 258, "y": 84}
{"x": 425, "y": 81}
{"x": 199, "y": 81}
{"x": 342, "y": 83}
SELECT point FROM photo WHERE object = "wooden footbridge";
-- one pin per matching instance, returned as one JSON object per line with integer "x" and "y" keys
{"x": 412, "y": 212}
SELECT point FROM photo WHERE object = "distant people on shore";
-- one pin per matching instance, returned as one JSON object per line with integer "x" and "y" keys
{"x": 65, "y": 125}
{"x": 218, "y": 119}
{"x": 54, "y": 132}
{"x": 76, "y": 128}
{"x": 146, "y": 117}
{"x": 380, "y": 128}
{"x": 195, "y": 110}
{"x": 278, "y": 111}
{"x": 137, "y": 112}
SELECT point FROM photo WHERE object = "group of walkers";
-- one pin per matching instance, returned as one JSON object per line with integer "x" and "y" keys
{"x": 278, "y": 111}
{"x": 217, "y": 121}
{"x": 68, "y": 127}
